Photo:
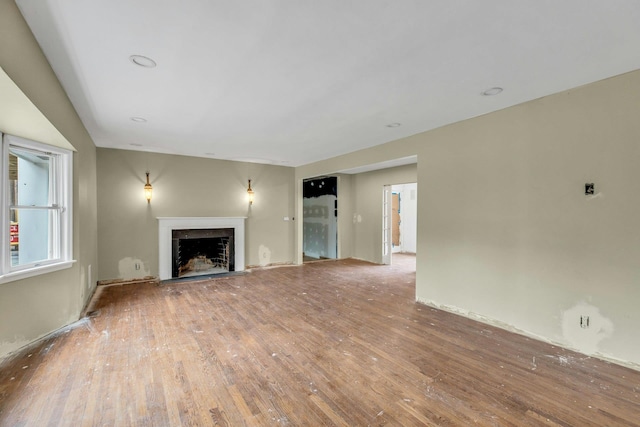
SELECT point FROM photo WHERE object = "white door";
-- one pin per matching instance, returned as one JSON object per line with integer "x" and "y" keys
{"x": 386, "y": 225}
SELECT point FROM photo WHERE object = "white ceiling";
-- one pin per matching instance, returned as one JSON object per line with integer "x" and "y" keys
{"x": 294, "y": 81}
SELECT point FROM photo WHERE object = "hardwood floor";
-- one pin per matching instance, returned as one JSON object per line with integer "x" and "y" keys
{"x": 332, "y": 343}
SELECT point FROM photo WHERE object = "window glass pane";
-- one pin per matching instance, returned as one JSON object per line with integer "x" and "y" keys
{"x": 37, "y": 204}
{"x": 29, "y": 178}
{"x": 31, "y": 235}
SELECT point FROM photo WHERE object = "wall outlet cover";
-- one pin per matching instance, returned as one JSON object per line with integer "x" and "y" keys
{"x": 589, "y": 189}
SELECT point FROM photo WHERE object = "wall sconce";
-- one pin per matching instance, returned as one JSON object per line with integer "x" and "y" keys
{"x": 148, "y": 190}
{"x": 250, "y": 193}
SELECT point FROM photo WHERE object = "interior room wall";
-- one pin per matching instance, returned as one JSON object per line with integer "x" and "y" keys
{"x": 345, "y": 215}
{"x": 33, "y": 307}
{"x": 505, "y": 232}
{"x": 509, "y": 233}
{"x": 367, "y": 215}
{"x": 187, "y": 187}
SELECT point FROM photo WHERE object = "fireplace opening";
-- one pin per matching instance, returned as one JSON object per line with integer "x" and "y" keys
{"x": 199, "y": 252}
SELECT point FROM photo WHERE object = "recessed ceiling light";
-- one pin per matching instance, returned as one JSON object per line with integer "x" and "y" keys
{"x": 493, "y": 91}
{"x": 138, "y": 119}
{"x": 209, "y": 154}
{"x": 142, "y": 61}
{"x": 393, "y": 125}
{"x": 135, "y": 145}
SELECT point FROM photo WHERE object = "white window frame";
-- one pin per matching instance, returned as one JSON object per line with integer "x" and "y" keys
{"x": 62, "y": 233}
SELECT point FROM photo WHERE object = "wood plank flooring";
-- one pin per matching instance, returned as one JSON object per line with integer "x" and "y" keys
{"x": 334, "y": 343}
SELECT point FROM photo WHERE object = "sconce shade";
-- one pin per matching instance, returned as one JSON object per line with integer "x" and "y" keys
{"x": 250, "y": 193}
{"x": 148, "y": 190}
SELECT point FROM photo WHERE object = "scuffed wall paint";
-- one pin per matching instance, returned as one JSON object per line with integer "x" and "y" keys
{"x": 132, "y": 268}
{"x": 585, "y": 336}
{"x": 584, "y": 341}
{"x": 264, "y": 255}
{"x": 7, "y": 347}
{"x": 524, "y": 243}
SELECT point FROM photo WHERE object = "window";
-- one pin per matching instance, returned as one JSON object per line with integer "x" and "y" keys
{"x": 36, "y": 208}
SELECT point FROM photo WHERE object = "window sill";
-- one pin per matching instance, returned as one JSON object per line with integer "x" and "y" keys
{"x": 36, "y": 271}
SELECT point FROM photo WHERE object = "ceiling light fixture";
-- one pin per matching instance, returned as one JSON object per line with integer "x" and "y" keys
{"x": 138, "y": 119}
{"x": 393, "y": 125}
{"x": 492, "y": 92}
{"x": 142, "y": 61}
{"x": 135, "y": 144}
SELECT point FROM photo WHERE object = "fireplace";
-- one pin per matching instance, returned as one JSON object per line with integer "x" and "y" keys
{"x": 191, "y": 246}
{"x": 196, "y": 252}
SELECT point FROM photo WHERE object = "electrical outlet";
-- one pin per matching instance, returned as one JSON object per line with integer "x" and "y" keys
{"x": 584, "y": 322}
{"x": 589, "y": 189}
{"x": 137, "y": 266}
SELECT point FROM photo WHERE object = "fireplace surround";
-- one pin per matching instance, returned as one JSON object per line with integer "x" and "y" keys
{"x": 167, "y": 225}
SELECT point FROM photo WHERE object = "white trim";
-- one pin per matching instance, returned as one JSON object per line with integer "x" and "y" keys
{"x": 35, "y": 271}
{"x": 5, "y": 263}
{"x": 386, "y": 225}
{"x": 61, "y": 200}
{"x": 167, "y": 224}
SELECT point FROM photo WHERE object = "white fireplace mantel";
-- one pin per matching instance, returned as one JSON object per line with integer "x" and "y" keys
{"x": 167, "y": 224}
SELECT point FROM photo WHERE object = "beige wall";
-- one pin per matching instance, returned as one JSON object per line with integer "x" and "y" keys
{"x": 345, "y": 214}
{"x": 187, "y": 186}
{"x": 34, "y": 307}
{"x": 367, "y": 189}
{"x": 505, "y": 232}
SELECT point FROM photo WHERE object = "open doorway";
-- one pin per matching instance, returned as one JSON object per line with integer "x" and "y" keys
{"x": 399, "y": 228}
{"x": 320, "y": 218}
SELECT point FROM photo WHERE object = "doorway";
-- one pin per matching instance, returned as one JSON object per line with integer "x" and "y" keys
{"x": 320, "y": 218}
{"x": 399, "y": 221}
{"x": 395, "y": 220}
